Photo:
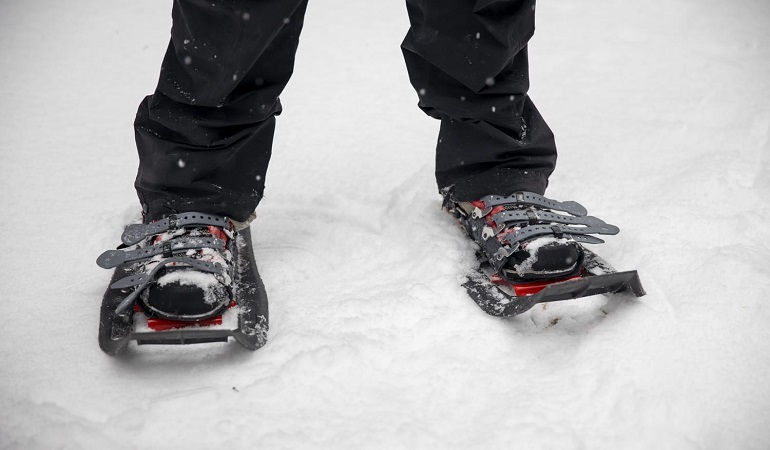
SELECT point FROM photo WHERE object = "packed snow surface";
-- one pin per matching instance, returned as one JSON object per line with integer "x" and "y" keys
{"x": 662, "y": 115}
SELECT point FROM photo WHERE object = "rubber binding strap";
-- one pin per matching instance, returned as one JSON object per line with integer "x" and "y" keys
{"x": 134, "y": 233}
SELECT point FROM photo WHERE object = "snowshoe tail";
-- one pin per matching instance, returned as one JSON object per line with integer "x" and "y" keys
{"x": 498, "y": 297}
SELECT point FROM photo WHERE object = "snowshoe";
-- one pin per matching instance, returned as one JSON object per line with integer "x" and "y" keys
{"x": 531, "y": 252}
{"x": 189, "y": 278}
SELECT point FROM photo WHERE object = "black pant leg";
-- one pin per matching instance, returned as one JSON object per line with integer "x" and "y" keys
{"x": 467, "y": 59}
{"x": 205, "y": 136}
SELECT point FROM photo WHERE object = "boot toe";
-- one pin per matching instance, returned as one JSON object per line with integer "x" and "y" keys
{"x": 186, "y": 295}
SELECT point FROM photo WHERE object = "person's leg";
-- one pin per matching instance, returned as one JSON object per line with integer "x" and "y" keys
{"x": 205, "y": 136}
{"x": 468, "y": 61}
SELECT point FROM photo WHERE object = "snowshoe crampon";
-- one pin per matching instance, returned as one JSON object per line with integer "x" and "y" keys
{"x": 128, "y": 315}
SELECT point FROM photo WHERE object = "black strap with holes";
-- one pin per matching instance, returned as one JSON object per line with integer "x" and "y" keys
{"x": 134, "y": 233}
{"x": 534, "y": 217}
{"x": 531, "y": 199}
{"x": 114, "y": 258}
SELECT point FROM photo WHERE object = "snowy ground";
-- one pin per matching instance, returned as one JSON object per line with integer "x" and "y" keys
{"x": 662, "y": 114}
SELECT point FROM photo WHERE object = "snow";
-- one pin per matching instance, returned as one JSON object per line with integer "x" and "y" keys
{"x": 661, "y": 115}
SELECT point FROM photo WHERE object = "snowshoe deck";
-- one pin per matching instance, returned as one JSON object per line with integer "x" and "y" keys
{"x": 498, "y": 297}
{"x": 117, "y": 330}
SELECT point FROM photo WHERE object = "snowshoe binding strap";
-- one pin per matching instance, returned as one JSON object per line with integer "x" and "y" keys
{"x": 192, "y": 242}
{"x": 528, "y": 199}
{"x": 514, "y": 239}
{"x": 559, "y": 231}
{"x": 534, "y": 216}
{"x": 113, "y": 258}
{"x": 134, "y": 233}
{"x": 523, "y": 216}
{"x": 525, "y": 235}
